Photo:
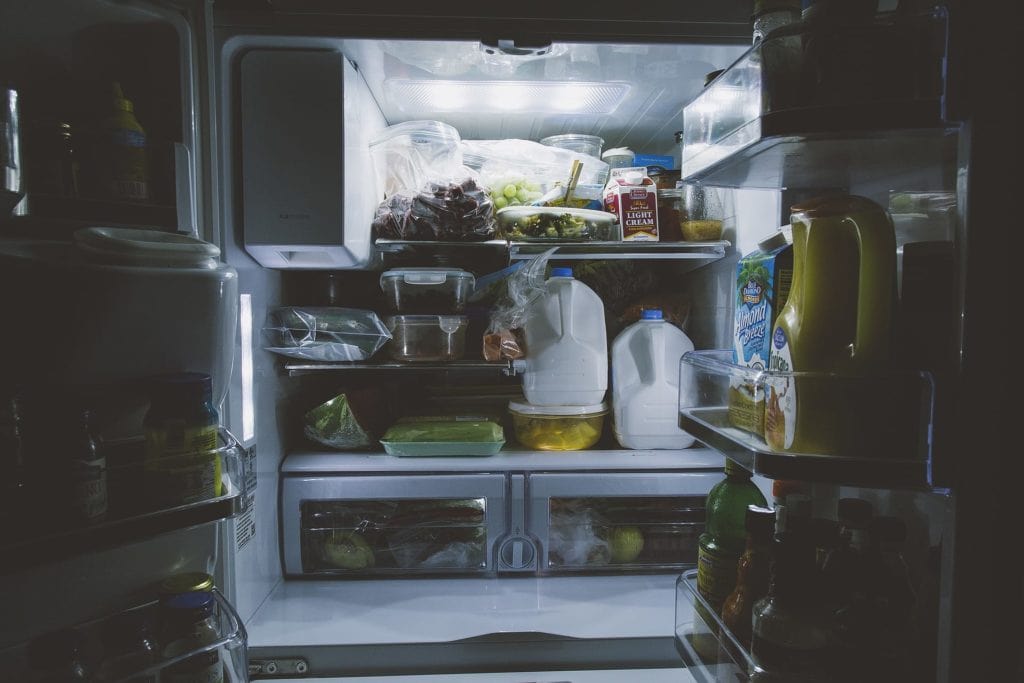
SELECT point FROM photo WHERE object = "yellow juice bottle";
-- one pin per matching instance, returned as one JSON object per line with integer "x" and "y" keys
{"x": 839, "y": 320}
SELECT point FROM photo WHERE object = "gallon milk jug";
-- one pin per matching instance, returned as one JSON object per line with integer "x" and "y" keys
{"x": 566, "y": 345}
{"x": 837, "y": 325}
{"x": 645, "y": 384}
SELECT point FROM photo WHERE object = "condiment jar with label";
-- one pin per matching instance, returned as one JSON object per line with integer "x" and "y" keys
{"x": 123, "y": 166}
{"x": 182, "y": 464}
{"x": 187, "y": 623}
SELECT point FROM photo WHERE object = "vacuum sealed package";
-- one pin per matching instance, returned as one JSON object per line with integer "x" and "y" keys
{"x": 324, "y": 333}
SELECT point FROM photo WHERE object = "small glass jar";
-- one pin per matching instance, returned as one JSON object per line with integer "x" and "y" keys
{"x": 187, "y": 623}
{"x": 702, "y": 214}
{"x": 670, "y": 215}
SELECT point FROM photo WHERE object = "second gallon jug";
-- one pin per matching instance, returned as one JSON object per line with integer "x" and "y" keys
{"x": 645, "y": 383}
{"x": 838, "y": 325}
{"x": 566, "y": 345}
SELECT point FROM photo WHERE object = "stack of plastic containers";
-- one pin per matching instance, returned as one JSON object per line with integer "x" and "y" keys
{"x": 428, "y": 302}
{"x": 566, "y": 374}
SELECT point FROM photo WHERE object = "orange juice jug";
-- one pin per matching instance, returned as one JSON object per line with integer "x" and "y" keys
{"x": 838, "y": 320}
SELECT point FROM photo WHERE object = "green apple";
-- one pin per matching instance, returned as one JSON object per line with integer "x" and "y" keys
{"x": 348, "y": 550}
{"x": 627, "y": 543}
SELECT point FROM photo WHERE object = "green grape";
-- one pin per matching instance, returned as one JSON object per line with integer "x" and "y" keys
{"x": 514, "y": 202}
{"x": 510, "y": 191}
{"x": 535, "y": 195}
{"x": 533, "y": 187}
{"x": 500, "y": 202}
{"x": 523, "y": 195}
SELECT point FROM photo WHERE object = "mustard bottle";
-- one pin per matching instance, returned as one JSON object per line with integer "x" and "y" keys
{"x": 126, "y": 168}
{"x": 839, "y": 320}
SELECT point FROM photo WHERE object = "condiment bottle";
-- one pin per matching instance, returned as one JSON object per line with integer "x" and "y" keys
{"x": 182, "y": 464}
{"x": 722, "y": 543}
{"x": 86, "y": 471}
{"x": 123, "y": 167}
{"x": 752, "y": 573}
{"x": 790, "y": 635}
{"x": 188, "y": 622}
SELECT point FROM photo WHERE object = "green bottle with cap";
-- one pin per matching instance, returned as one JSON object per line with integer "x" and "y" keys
{"x": 724, "y": 537}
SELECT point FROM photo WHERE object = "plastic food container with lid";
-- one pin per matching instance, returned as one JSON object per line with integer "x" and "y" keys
{"x": 444, "y": 436}
{"x": 618, "y": 157}
{"x": 423, "y": 338}
{"x": 576, "y": 142}
{"x": 556, "y": 224}
{"x": 427, "y": 290}
{"x": 557, "y": 428}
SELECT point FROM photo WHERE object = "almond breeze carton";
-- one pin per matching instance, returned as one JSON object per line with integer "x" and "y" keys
{"x": 632, "y": 196}
{"x": 763, "y": 280}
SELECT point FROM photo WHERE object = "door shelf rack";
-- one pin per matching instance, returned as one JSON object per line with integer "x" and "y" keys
{"x": 878, "y": 428}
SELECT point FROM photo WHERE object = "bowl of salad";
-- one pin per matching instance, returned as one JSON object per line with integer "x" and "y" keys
{"x": 555, "y": 224}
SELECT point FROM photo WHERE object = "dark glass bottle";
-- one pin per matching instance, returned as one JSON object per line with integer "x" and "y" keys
{"x": 790, "y": 630}
{"x": 752, "y": 573}
{"x": 57, "y": 658}
{"x": 86, "y": 471}
{"x": 724, "y": 537}
{"x": 129, "y": 647}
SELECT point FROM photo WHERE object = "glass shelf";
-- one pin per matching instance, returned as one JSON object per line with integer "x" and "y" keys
{"x": 456, "y": 252}
{"x": 871, "y": 431}
{"x": 40, "y": 540}
{"x": 230, "y": 646}
{"x": 296, "y": 368}
{"x": 824, "y": 104}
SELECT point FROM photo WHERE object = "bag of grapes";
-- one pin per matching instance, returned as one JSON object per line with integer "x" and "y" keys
{"x": 518, "y": 172}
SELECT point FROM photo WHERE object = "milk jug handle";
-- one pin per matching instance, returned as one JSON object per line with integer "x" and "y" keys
{"x": 875, "y": 285}
{"x": 657, "y": 349}
{"x": 565, "y": 310}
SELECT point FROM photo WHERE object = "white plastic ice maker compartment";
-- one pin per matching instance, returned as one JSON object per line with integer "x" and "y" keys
{"x": 401, "y": 519}
{"x": 73, "y": 321}
{"x": 589, "y": 522}
{"x": 309, "y": 193}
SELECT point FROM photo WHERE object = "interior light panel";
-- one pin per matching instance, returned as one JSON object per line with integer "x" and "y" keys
{"x": 566, "y": 97}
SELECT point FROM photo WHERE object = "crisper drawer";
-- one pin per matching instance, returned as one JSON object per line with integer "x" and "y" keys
{"x": 388, "y": 525}
{"x": 601, "y": 522}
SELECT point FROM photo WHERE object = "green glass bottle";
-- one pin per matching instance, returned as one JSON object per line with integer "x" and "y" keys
{"x": 724, "y": 536}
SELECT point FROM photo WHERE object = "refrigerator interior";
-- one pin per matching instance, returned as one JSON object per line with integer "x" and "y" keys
{"x": 381, "y": 625}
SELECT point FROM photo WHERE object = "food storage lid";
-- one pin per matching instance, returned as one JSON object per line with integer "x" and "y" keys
{"x": 511, "y": 214}
{"x": 448, "y": 323}
{"x": 419, "y": 132}
{"x": 427, "y": 276}
{"x": 557, "y": 411}
{"x": 186, "y": 583}
{"x": 617, "y": 152}
{"x": 773, "y": 242}
{"x": 561, "y": 272}
{"x": 574, "y": 141}
{"x": 132, "y": 247}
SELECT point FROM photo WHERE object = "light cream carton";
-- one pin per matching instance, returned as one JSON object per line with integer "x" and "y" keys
{"x": 632, "y": 196}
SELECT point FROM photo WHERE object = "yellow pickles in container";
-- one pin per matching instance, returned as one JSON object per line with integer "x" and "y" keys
{"x": 557, "y": 428}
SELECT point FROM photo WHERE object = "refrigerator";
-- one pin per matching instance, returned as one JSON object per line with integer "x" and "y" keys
{"x": 259, "y": 117}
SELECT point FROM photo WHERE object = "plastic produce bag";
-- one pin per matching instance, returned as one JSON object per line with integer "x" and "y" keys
{"x": 348, "y": 421}
{"x": 324, "y": 333}
{"x": 576, "y": 537}
{"x": 431, "y": 531}
{"x": 523, "y": 286}
{"x": 455, "y": 212}
{"x": 523, "y": 171}
{"x": 408, "y": 155}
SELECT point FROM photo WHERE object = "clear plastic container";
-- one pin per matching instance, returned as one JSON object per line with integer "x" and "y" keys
{"x": 555, "y": 224}
{"x": 577, "y": 142}
{"x": 424, "y": 338}
{"x": 557, "y": 428}
{"x": 444, "y": 436}
{"x": 408, "y": 155}
{"x": 427, "y": 290}
{"x": 618, "y": 157}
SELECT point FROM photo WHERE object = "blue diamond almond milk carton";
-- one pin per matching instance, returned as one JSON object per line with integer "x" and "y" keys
{"x": 763, "y": 280}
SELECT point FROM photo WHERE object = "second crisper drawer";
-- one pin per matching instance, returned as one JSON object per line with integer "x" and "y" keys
{"x": 388, "y": 525}
{"x": 617, "y": 521}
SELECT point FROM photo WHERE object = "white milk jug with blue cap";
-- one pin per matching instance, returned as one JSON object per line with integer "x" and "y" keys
{"x": 566, "y": 345}
{"x": 646, "y": 394}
